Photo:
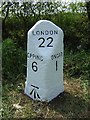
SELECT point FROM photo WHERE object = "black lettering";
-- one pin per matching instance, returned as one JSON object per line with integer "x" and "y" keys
{"x": 42, "y": 32}
{"x": 51, "y": 32}
{"x": 56, "y": 66}
{"x": 37, "y": 32}
{"x": 56, "y": 56}
{"x": 43, "y": 40}
{"x": 34, "y": 56}
{"x": 33, "y": 33}
{"x": 61, "y": 53}
{"x": 52, "y": 57}
{"x": 34, "y": 92}
{"x": 37, "y": 57}
{"x": 41, "y": 58}
{"x": 51, "y": 40}
{"x": 28, "y": 55}
{"x": 34, "y": 67}
{"x": 46, "y": 32}
{"x": 35, "y": 86}
{"x": 55, "y": 32}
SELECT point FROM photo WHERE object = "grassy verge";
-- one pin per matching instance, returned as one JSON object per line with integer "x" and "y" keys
{"x": 77, "y": 65}
{"x": 73, "y": 103}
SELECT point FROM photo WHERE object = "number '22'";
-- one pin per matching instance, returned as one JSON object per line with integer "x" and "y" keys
{"x": 50, "y": 39}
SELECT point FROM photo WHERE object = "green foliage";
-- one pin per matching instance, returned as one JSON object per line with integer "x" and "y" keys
{"x": 72, "y": 18}
{"x": 88, "y": 9}
{"x": 13, "y": 60}
{"x": 77, "y": 65}
{"x": 75, "y": 27}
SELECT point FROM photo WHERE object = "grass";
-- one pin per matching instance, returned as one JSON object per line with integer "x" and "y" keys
{"x": 73, "y": 103}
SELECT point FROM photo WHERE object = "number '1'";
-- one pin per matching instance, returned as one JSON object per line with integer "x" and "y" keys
{"x": 56, "y": 66}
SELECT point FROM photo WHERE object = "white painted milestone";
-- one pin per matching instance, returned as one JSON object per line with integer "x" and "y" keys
{"x": 44, "y": 61}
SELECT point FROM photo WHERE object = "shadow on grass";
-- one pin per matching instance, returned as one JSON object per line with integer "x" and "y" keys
{"x": 65, "y": 105}
{"x": 70, "y": 106}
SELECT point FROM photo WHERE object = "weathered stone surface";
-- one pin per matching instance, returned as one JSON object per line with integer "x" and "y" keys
{"x": 44, "y": 61}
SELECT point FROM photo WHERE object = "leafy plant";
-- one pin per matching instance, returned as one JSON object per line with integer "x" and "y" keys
{"x": 13, "y": 59}
{"x": 77, "y": 65}
{"x": 72, "y": 18}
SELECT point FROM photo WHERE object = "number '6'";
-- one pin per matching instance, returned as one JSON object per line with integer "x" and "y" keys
{"x": 34, "y": 66}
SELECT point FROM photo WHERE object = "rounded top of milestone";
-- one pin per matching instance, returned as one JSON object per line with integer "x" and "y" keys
{"x": 45, "y": 27}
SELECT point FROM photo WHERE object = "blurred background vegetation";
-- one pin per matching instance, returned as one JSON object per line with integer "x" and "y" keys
{"x": 17, "y": 19}
{"x": 73, "y": 18}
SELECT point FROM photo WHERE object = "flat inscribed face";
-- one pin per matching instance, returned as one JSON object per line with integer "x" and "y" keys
{"x": 44, "y": 61}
